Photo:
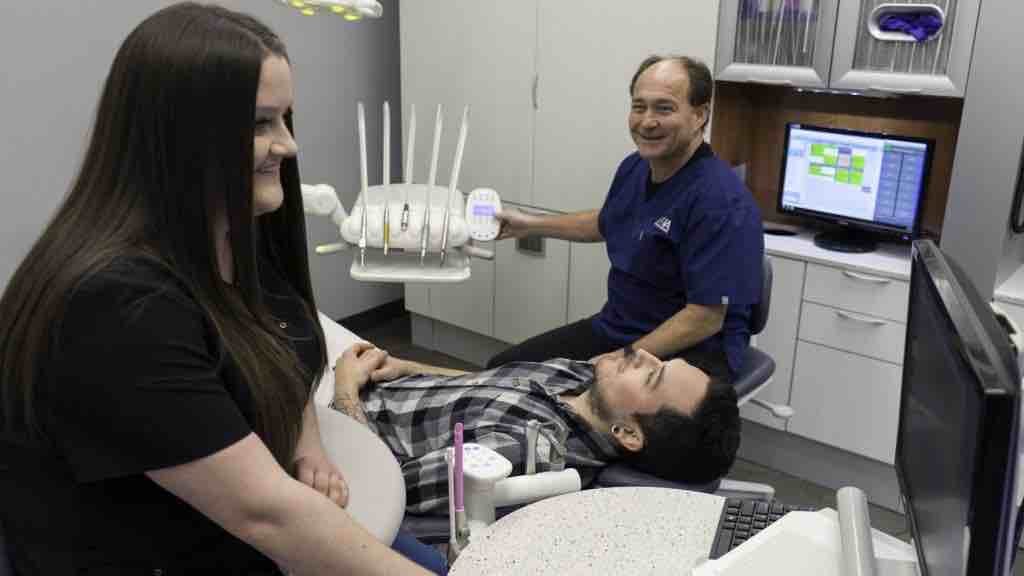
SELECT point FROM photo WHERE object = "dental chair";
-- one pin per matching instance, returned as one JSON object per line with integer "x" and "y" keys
{"x": 757, "y": 370}
{"x": 756, "y": 373}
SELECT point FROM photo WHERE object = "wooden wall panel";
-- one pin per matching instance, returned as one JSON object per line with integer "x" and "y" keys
{"x": 750, "y": 121}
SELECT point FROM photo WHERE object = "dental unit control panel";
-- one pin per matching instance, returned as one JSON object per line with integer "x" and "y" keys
{"x": 479, "y": 482}
{"x": 408, "y": 232}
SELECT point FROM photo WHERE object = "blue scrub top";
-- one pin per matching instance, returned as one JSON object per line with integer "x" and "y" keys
{"x": 696, "y": 238}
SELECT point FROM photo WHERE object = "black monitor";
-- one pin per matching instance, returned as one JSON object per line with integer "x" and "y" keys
{"x": 866, "y": 185}
{"x": 956, "y": 449}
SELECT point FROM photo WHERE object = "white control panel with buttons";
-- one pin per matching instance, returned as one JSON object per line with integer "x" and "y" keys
{"x": 481, "y": 205}
{"x": 482, "y": 464}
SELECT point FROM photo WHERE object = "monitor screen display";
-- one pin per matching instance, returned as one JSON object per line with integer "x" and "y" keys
{"x": 957, "y": 435}
{"x": 862, "y": 179}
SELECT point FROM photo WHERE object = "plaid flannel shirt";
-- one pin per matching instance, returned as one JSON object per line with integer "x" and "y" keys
{"x": 416, "y": 416}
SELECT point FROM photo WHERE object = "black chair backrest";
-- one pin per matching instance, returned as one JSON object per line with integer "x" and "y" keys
{"x": 759, "y": 313}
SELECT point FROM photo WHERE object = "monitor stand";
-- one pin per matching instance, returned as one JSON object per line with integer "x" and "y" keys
{"x": 846, "y": 240}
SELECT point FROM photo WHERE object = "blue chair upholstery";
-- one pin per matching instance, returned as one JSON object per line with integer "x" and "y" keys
{"x": 758, "y": 367}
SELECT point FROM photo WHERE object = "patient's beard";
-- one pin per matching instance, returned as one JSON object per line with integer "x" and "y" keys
{"x": 599, "y": 403}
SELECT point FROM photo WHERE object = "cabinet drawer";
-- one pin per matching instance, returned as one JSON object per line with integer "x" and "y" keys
{"x": 857, "y": 292}
{"x": 846, "y": 401}
{"x": 858, "y": 333}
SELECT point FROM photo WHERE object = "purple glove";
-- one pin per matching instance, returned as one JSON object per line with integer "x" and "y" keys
{"x": 921, "y": 26}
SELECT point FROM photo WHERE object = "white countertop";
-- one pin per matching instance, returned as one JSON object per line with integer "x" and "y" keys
{"x": 1011, "y": 291}
{"x": 618, "y": 531}
{"x": 889, "y": 260}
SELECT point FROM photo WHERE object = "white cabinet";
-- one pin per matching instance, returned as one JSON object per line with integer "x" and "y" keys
{"x": 857, "y": 333}
{"x": 845, "y": 316}
{"x": 548, "y": 88}
{"x": 838, "y": 44}
{"x": 587, "y": 53}
{"x": 758, "y": 45}
{"x": 864, "y": 60}
{"x": 531, "y": 289}
{"x": 846, "y": 400}
{"x": 468, "y": 304}
{"x": 478, "y": 53}
{"x": 858, "y": 292}
{"x": 778, "y": 339}
{"x": 588, "y": 279}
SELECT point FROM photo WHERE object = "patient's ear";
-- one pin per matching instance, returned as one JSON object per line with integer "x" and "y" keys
{"x": 629, "y": 435}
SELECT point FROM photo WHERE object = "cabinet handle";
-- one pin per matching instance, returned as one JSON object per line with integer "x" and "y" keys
{"x": 868, "y": 279}
{"x": 852, "y": 318}
{"x": 532, "y": 245}
{"x": 896, "y": 90}
{"x": 772, "y": 81}
{"x": 536, "y": 81}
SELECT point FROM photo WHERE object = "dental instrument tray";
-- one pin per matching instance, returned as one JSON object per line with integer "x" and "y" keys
{"x": 409, "y": 232}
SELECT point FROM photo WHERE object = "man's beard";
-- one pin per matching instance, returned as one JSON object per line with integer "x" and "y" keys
{"x": 599, "y": 403}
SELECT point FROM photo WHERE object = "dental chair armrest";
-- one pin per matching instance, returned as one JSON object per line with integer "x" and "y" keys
{"x": 619, "y": 475}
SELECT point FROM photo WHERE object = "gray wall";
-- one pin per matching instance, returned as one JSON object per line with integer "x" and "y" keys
{"x": 55, "y": 56}
{"x": 988, "y": 152}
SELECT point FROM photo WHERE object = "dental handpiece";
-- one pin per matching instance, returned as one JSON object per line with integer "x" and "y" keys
{"x": 361, "y": 114}
{"x": 386, "y": 164}
{"x": 387, "y": 229}
{"x": 532, "y": 431}
{"x": 453, "y": 183}
{"x": 410, "y": 154}
{"x": 461, "y": 526}
{"x": 425, "y": 233}
{"x": 431, "y": 178}
{"x": 444, "y": 233}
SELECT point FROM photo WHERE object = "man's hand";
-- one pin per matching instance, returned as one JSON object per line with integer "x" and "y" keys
{"x": 355, "y": 366}
{"x": 613, "y": 355}
{"x": 515, "y": 224}
{"x": 317, "y": 472}
{"x": 393, "y": 369}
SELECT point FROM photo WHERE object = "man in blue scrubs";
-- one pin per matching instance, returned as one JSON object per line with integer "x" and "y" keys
{"x": 683, "y": 233}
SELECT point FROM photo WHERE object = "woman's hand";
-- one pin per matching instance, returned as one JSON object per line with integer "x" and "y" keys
{"x": 316, "y": 471}
{"x": 355, "y": 366}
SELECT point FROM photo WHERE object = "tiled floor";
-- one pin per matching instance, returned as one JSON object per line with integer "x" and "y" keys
{"x": 395, "y": 337}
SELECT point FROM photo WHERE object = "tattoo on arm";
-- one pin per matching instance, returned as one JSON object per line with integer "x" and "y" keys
{"x": 353, "y": 407}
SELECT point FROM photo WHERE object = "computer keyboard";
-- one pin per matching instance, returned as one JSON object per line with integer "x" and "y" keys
{"x": 741, "y": 519}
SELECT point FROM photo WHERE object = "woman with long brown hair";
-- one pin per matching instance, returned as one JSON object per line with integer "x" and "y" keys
{"x": 160, "y": 338}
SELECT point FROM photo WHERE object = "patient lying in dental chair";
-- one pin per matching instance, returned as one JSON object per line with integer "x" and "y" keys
{"x": 669, "y": 418}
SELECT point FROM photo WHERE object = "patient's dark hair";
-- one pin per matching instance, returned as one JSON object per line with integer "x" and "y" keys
{"x": 694, "y": 449}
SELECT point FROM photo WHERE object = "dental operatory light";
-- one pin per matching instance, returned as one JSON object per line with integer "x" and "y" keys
{"x": 351, "y": 10}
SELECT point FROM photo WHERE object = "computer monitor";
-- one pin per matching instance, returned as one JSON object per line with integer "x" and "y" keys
{"x": 956, "y": 449}
{"x": 868, "y": 185}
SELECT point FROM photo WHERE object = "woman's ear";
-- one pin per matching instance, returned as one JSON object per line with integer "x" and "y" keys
{"x": 629, "y": 435}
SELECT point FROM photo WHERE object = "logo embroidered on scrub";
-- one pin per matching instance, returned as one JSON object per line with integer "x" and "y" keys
{"x": 663, "y": 224}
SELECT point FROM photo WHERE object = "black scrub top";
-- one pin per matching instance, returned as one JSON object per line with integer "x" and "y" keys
{"x": 138, "y": 383}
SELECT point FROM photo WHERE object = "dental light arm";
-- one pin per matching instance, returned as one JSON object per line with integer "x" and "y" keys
{"x": 351, "y": 10}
